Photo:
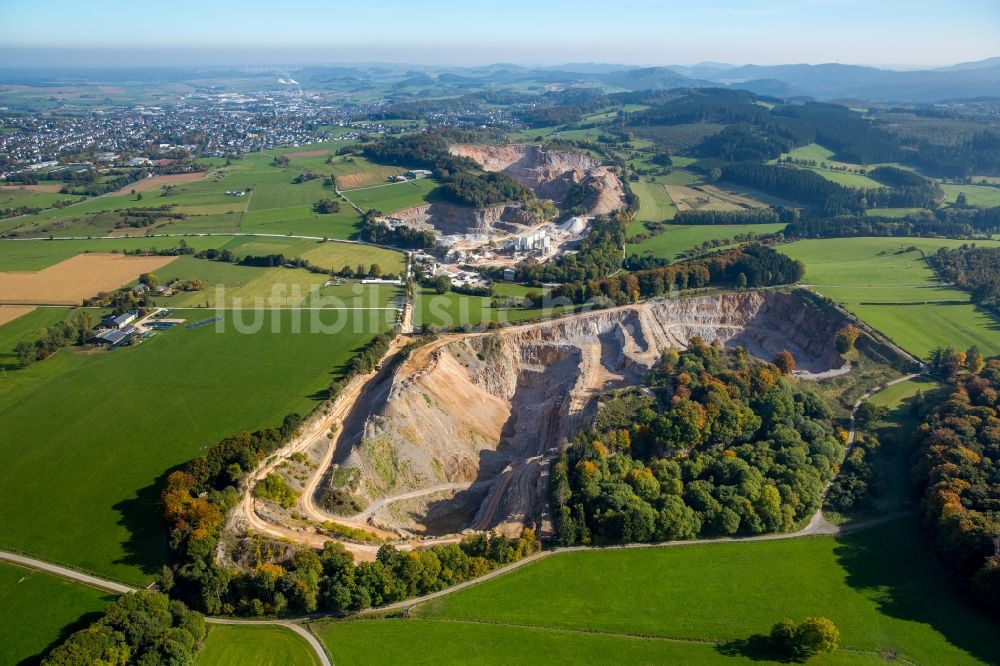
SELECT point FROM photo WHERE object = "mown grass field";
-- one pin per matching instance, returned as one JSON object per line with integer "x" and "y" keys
{"x": 420, "y": 641}
{"x": 88, "y": 437}
{"x": 654, "y": 202}
{"x": 847, "y": 179}
{"x": 451, "y": 309}
{"x": 38, "y": 610}
{"x": 389, "y": 198}
{"x": 17, "y": 197}
{"x": 881, "y": 587}
{"x": 977, "y": 195}
{"x": 254, "y": 646}
{"x": 886, "y": 282}
{"x": 337, "y": 255}
{"x": 676, "y": 238}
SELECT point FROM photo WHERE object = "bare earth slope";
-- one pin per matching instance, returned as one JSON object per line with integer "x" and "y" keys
{"x": 460, "y": 436}
{"x": 550, "y": 173}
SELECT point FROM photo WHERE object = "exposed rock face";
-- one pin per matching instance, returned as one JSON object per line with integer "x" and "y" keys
{"x": 488, "y": 410}
{"x": 448, "y": 218}
{"x": 550, "y": 173}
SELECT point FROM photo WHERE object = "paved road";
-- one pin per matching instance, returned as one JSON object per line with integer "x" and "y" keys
{"x": 293, "y": 625}
{"x": 64, "y": 572}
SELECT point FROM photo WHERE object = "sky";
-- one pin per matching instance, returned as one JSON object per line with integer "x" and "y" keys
{"x": 472, "y": 32}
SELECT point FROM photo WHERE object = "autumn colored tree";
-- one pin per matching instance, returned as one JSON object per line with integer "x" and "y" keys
{"x": 784, "y": 361}
{"x": 846, "y": 337}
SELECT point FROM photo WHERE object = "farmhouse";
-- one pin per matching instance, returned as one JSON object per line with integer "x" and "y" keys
{"x": 118, "y": 322}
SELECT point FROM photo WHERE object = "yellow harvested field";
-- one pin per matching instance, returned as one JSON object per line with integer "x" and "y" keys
{"x": 12, "y": 312}
{"x": 77, "y": 278}
{"x": 157, "y": 182}
{"x": 708, "y": 197}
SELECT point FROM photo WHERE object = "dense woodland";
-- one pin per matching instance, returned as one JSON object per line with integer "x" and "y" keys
{"x": 463, "y": 180}
{"x": 975, "y": 269}
{"x": 718, "y": 443}
{"x": 957, "y": 468}
{"x": 747, "y": 216}
{"x": 142, "y": 628}
{"x": 944, "y": 223}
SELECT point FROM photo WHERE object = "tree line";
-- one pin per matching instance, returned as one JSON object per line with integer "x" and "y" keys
{"x": 719, "y": 444}
{"x": 955, "y": 467}
{"x": 975, "y": 269}
{"x": 745, "y": 216}
{"x": 748, "y": 266}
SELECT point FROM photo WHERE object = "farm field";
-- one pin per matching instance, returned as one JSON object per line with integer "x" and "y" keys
{"x": 337, "y": 255}
{"x": 74, "y": 279}
{"x": 254, "y": 646}
{"x": 891, "y": 287}
{"x": 272, "y": 201}
{"x": 676, "y": 238}
{"x": 389, "y": 198}
{"x": 452, "y": 309}
{"x": 429, "y": 642}
{"x": 235, "y": 286}
{"x": 12, "y": 312}
{"x": 847, "y": 179}
{"x": 873, "y": 584}
{"x": 654, "y": 203}
{"x": 34, "y": 255}
{"x": 37, "y": 610}
{"x": 708, "y": 197}
{"x": 107, "y": 426}
{"x": 977, "y": 195}
{"x": 30, "y": 197}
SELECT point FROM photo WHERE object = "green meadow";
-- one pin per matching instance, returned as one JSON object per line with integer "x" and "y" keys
{"x": 254, "y": 646}
{"x": 455, "y": 310}
{"x": 676, "y": 238}
{"x": 983, "y": 196}
{"x": 389, "y": 198}
{"x": 654, "y": 202}
{"x": 37, "y": 610}
{"x": 106, "y": 427}
{"x": 887, "y": 283}
{"x": 694, "y": 604}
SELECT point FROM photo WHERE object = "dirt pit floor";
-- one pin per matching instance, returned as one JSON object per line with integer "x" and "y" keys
{"x": 77, "y": 278}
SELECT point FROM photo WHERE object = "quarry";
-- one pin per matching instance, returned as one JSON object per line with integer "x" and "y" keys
{"x": 509, "y": 232}
{"x": 458, "y": 435}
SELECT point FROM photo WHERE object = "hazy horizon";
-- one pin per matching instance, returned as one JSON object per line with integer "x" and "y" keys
{"x": 907, "y": 35}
